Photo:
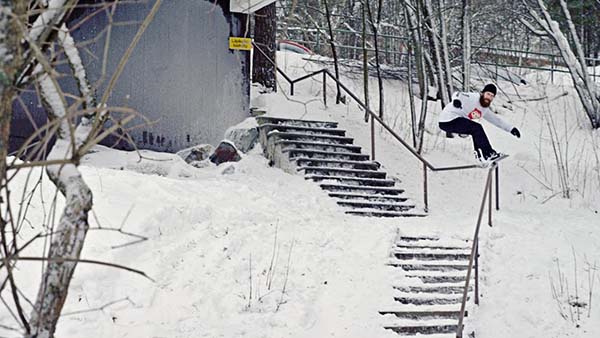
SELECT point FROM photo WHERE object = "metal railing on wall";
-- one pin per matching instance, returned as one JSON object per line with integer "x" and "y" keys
{"x": 487, "y": 192}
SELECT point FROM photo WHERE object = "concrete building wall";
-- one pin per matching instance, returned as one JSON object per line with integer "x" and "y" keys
{"x": 181, "y": 76}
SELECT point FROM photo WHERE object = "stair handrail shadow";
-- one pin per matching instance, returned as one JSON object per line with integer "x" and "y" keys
{"x": 487, "y": 192}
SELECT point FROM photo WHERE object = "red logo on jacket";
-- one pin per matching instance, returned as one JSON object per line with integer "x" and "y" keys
{"x": 475, "y": 114}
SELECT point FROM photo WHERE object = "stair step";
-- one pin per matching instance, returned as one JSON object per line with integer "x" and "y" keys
{"x": 382, "y": 213}
{"x": 425, "y": 329}
{"x": 326, "y": 171}
{"x": 366, "y": 197}
{"x": 376, "y": 205}
{"x": 432, "y": 251}
{"x": 358, "y": 181}
{"x": 320, "y": 154}
{"x": 428, "y": 301}
{"x": 430, "y": 267}
{"x": 421, "y": 315}
{"x": 430, "y": 256}
{"x": 433, "y": 289}
{"x": 269, "y": 127}
{"x": 440, "y": 279}
{"x": 293, "y": 122}
{"x": 418, "y": 238}
{"x": 339, "y": 148}
{"x": 296, "y": 136}
{"x": 432, "y": 247}
{"x": 360, "y": 189}
{"x": 332, "y": 163}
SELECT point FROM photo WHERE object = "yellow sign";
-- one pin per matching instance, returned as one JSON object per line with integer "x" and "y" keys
{"x": 240, "y": 43}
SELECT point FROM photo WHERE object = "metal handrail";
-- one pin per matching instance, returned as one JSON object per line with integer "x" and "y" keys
{"x": 474, "y": 257}
{"x": 487, "y": 192}
{"x": 375, "y": 117}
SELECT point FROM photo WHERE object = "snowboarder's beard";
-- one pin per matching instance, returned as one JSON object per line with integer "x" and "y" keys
{"x": 484, "y": 102}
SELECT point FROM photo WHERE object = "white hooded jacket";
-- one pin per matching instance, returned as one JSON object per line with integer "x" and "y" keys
{"x": 472, "y": 110}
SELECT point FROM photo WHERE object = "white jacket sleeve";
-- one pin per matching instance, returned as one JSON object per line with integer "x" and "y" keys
{"x": 497, "y": 121}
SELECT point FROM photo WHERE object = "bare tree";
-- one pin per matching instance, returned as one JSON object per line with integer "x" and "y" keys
{"x": 571, "y": 52}
{"x": 332, "y": 43}
{"x": 466, "y": 44}
{"x": 265, "y": 29}
{"x": 375, "y": 22}
{"x": 30, "y": 54}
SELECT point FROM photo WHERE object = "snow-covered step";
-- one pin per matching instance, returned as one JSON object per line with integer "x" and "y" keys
{"x": 376, "y": 205}
{"x": 307, "y": 145}
{"x": 440, "y": 278}
{"x": 368, "y": 197}
{"x": 333, "y": 163}
{"x": 326, "y": 171}
{"x": 322, "y": 154}
{"x": 429, "y": 267}
{"x": 427, "y": 298}
{"x": 429, "y": 256}
{"x": 418, "y": 238}
{"x": 357, "y": 181}
{"x": 269, "y": 127}
{"x": 361, "y": 189}
{"x": 298, "y": 136}
{"x": 427, "y": 250}
{"x": 423, "y": 315}
{"x": 423, "y": 329}
{"x": 383, "y": 213}
{"x": 391, "y": 320}
{"x": 434, "y": 288}
{"x": 432, "y": 247}
{"x": 294, "y": 122}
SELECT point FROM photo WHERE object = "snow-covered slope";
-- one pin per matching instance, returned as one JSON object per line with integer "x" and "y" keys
{"x": 246, "y": 250}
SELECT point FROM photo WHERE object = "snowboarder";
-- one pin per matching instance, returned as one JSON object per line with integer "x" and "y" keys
{"x": 458, "y": 116}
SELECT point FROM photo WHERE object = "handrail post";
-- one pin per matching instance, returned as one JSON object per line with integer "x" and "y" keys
{"x": 425, "y": 188}
{"x": 490, "y": 202}
{"x": 497, "y": 189}
{"x": 477, "y": 273}
{"x": 325, "y": 89}
{"x": 372, "y": 139}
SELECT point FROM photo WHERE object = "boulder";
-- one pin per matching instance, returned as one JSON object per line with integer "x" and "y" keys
{"x": 225, "y": 152}
{"x": 196, "y": 153}
{"x": 243, "y": 135}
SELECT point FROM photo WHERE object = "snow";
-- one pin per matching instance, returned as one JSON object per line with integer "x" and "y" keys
{"x": 213, "y": 232}
{"x": 55, "y": 7}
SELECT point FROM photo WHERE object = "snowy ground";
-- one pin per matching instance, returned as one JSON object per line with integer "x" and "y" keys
{"x": 245, "y": 250}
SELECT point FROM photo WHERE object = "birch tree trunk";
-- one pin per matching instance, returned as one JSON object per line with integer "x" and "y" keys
{"x": 432, "y": 32}
{"x": 445, "y": 53}
{"x": 466, "y": 45}
{"x": 375, "y": 28}
{"x": 265, "y": 29}
{"x": 415, "y": 37}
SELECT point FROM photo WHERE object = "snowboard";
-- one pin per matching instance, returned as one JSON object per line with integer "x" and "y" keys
{"x": 488, "y": 164}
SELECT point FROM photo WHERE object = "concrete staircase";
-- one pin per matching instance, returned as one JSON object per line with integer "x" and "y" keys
{"x": 324, "y": 154}
{"x": 427, "y": 300}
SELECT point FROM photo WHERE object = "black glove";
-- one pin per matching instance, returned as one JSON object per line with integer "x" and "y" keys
{"x": 456, "y": 103}
{"x": 516, "y": 132}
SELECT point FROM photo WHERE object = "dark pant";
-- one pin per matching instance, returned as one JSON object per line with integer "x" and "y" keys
{"x": 462, "y": 125}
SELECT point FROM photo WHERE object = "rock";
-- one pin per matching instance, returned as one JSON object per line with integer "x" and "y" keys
{"x": 243, "y": 135}
{"x": 225, "y": 152}
{"x": 229, "y": 170}
{"x": 196, "y": 153}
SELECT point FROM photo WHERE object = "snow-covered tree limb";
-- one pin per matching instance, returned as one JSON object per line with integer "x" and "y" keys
{"x": 586, "y": 89}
